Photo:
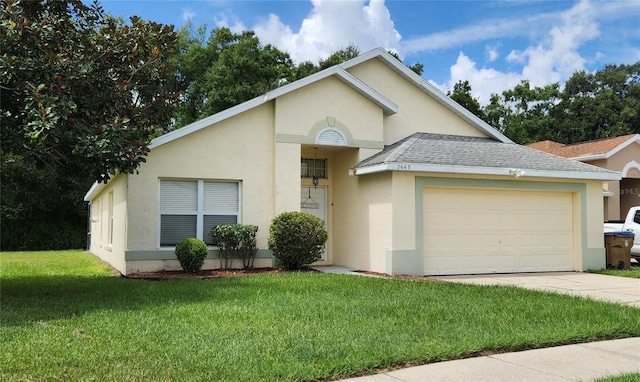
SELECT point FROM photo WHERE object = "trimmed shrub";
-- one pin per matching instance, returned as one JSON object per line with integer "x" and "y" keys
{"x": 297, "y": 239}
{"x": 191, "y": 254}
{"x": 235, "y": 240}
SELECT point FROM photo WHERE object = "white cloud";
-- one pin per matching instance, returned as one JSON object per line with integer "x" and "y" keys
{"x": 483, "y": 81}
{"x": 486, "y": 30}
{"x": 491, "y": 52}
{"x": 234, "y": 24}
{"x": 554, "y": 59}
{"x": 187, "y": 14}
{"x": 557, "y": 58}
{"x": 332, "y": 25}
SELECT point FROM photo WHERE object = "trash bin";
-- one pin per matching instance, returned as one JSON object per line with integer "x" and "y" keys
{"x": 618, "y": 248}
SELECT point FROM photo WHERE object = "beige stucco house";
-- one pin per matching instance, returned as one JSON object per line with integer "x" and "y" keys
{"x": 408, "y": 182}
{"x": 620, "y": 154}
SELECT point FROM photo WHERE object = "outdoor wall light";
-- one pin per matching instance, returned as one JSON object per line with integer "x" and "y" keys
{"x": 516, "y": 172}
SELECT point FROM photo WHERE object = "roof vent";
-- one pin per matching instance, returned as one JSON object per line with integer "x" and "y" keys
{"x": 331, "y": 137}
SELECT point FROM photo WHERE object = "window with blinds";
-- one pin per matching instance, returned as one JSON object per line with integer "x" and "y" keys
{"x": 191, "y": 208}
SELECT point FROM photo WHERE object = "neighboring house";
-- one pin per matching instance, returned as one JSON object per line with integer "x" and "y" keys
{"x": 620, "y": 154}
{"x": 408, "y": 182}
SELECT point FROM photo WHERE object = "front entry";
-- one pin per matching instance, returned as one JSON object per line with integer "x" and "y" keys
{"x": 313, "y": 200}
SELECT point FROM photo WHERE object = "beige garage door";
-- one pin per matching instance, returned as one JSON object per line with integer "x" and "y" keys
{"x": 472, "y": 231}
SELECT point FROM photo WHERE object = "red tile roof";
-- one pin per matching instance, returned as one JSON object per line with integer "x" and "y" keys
{"x": 598, "y": 147}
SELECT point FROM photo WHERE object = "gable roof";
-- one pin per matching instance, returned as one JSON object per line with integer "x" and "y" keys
{"x": 474, "y": 155}
{"x": 592, "y": 150}
{"x": 428, "y": 88}
{"x": 388, "y": 107}
{"x": 341, "y": 72}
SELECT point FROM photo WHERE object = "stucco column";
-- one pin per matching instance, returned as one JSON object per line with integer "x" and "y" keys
{"x": 287, "y": 177}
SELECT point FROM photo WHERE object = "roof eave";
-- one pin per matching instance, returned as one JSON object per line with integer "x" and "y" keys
{"x": 586, "y": 158}
{"x": 210, "y": 120}
{"x": 468, "y": 170}
{"x": 95, "y": 189}
{"x": 388, "y": 107}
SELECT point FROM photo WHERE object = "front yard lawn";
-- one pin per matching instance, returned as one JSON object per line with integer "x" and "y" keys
{"x": 626, "y": 377}
{"x": 65, "y": 316}
{"x": 633, "y": 272}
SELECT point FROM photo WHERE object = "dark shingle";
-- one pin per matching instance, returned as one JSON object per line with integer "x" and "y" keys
{"x": 454, "y": 150}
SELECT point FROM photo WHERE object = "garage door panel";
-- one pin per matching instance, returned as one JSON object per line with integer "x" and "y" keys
{"x": 470, "y": 230}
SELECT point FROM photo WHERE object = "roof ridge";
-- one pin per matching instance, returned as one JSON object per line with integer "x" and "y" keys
{"x": 402, "y": 147}
{"x": 599, "y": 140}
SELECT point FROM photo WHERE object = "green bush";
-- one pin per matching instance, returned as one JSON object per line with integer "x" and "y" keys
{"x": 297, "y": 239}
{"x": 191, "y": 254}
{"x": 235, "y": 240}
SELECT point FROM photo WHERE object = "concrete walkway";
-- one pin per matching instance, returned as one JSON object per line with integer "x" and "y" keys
{"x": 623, "y": 290}
{"x": 580, "y": 362}
{"x": 583, "y": 362}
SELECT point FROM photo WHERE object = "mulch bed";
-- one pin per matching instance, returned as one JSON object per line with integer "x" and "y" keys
{"x": 204, "y": 274}
{"x": 404, "y": 277}
{"x": 221, "y": 273}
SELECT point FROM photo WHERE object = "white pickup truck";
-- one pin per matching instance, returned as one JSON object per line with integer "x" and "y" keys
{"x": 630, "y": 224}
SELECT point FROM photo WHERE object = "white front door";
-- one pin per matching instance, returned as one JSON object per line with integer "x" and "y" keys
{"x": 313, "y": 200}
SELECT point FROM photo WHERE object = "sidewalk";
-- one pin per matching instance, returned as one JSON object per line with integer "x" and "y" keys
{"x": 581, "y": 362}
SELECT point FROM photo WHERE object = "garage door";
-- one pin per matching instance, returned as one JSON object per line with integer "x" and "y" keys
{"x": 472, "y": 231}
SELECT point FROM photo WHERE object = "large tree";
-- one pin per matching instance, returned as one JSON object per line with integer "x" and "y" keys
{"x": 461, "y": 93}
{"x": 82, "y": 95}
{"x": 525, "y": 113}
{"x": 341, "y": 55}
{"x": 225, "y": 70}
{"x": 591, "y": 106}
{"x": 602, "y": 104}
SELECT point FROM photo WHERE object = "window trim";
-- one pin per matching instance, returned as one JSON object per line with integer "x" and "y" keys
{"x": 110, "y": 218}
{"x": 200, "y": 211}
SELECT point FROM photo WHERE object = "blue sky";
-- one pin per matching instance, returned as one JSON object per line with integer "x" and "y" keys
{"x": 492, "y": 44}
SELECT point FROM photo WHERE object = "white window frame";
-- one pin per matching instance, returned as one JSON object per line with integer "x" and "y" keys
{"x": 200, "y": 212}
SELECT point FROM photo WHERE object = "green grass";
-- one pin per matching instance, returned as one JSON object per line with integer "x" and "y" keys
{"x": 64, "y": 316}
{"x": 633, "y": 272}
{"x": 627, "y": 377}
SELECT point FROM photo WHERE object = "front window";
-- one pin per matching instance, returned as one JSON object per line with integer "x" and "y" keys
{"x": 191, "y": 208}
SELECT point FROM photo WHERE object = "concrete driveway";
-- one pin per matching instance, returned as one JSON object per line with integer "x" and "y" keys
{"x": 623, "y": 290}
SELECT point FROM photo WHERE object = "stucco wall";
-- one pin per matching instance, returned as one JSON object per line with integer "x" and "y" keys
{"x": 417, "y": 112}
{"x": 362, "y": 212}
{"x": 297, "y": 113}
{"x": 626, "y": 161}
{"x": 110, "y": 246}
{"x": 240, "y": 149}
{"x": 589, "y": 245}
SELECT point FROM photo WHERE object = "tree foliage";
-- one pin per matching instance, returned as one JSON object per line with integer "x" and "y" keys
{"x": 602, "y": 104}
{"x": 523, "y": 113}
{"x": 591, "y": 106}
{"x": 461, "y": 93}
{"x": 225, "y": 70}
{"x": 82, "y": 95}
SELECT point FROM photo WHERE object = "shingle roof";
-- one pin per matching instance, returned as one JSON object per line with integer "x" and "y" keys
{"x": 452, "y": 151}
{"x": 577, "y": 150}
